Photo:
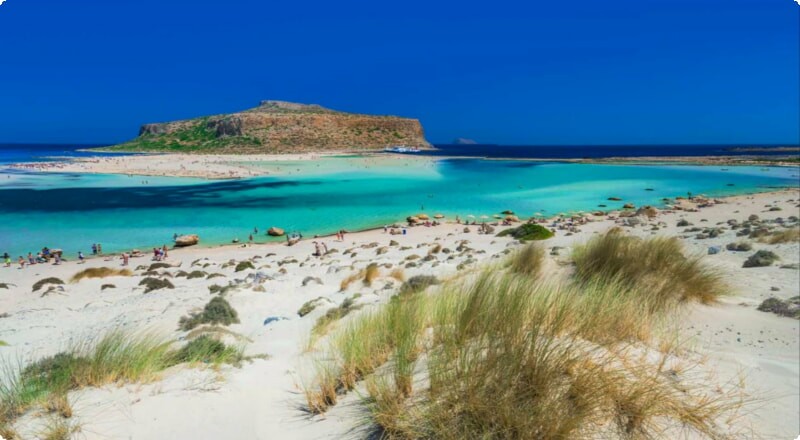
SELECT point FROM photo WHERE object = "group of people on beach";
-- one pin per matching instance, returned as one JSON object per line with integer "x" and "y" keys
{"x": 160, "y": 254}
{"x": 41, "y": 257}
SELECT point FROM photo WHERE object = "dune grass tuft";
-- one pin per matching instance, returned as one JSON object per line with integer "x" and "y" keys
{"x": 371, "y": 273}
{"x": 114, "y": 358}
{"x": 209, "y": 350}
{"x": 528, "y": 260}
{"x": 100, "y": 272}
{"x": 656, "y": 265}
{"x": 507, "y": 356}
{"x": 326, "y": 321}
{"x": 59, "y": 428}
{"x": 310, "y": 305}
{"x": 398, "y": 274}
{"x": 216, "y": 311}
{"x": 350, "y": 279}
{"x": 790, "y": 235}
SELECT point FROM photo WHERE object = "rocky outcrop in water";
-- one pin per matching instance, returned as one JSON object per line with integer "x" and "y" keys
{"x": 279, "y": 127}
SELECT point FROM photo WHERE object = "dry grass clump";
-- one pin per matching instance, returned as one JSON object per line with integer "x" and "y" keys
{"x": 656, "y": 266}
{"x": 100, "y": 272}
{"x": 371, "y": 273}
{"x": 398, "y": 274}
{"x": 528, "y": 260}
{"x": 790, "y": 235}
{"x": 350, "y": 279}
{"x": 59, "y": 428}
{"x": 216, "y": 311}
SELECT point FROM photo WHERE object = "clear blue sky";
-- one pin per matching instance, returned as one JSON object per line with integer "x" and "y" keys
{"x": 527, "y": 72}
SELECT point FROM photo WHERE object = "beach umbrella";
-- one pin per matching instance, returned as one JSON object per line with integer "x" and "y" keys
{"x": 471, "y": 216}
{"x": 497, "y": 216}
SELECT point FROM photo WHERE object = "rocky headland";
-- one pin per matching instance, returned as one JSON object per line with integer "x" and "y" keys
{"x": 278, "y": 127}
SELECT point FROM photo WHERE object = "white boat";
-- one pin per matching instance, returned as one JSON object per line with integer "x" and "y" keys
{"x": 402, "y": 149}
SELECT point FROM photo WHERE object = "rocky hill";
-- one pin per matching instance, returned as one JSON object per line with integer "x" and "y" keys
{"x": 278, "y": 127}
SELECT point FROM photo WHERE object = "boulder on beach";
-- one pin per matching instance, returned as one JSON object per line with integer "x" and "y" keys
{"x": 512, "y": 218}
{"x": 412, "y": 220}
{"x": 275, "y": 231}
{"x": 628, "y": 206}
{"x": 423, "y": 216}
{"x": 187, "y": 240}
{"x": 438, "y": 216}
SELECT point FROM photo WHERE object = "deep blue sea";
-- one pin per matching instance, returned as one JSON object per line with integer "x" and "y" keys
{"x": 71, "y": 210}
{"x": 599, "y": 151}
{"x": 15, "y": 153}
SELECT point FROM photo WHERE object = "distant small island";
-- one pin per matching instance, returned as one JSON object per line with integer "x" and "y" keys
{"x": 277, "y": 127}
{"x": 464, "y": 141}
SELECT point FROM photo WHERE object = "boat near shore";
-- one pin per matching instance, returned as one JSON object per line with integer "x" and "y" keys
{"x": 402, "y": 149}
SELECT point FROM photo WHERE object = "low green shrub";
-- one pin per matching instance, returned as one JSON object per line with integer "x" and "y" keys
{"x": 739, "y": 246}
{"x": 152, "y": 284}
{"x": 244, "y": 265}
{"x": 417, "y": 283}
{"x": 217, "y": 311}
{"x": 528, "y": 231}
{"x": 50, "y": 280}
{"x": 761, "y": 258}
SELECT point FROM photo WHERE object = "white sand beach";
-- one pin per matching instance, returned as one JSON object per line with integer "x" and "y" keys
{"x": 206, "y": 166}
{"x": 263, "y": 399}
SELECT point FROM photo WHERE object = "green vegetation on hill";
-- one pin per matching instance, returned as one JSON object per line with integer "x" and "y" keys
{"x": 196, "y": 137}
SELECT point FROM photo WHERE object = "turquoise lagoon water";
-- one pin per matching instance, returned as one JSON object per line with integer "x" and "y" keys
{"x": 72, "y": 211}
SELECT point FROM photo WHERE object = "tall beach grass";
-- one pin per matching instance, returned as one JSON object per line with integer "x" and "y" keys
{"x": 508, "y": 354}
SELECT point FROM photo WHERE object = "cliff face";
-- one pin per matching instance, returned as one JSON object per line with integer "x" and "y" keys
{"x": 279, "y": 127}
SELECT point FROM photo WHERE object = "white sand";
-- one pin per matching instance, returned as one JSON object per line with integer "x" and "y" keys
{"x": 207, "y": 166}
{"x": 262, "y": 399}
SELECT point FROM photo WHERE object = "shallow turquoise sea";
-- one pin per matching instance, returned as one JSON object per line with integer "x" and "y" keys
{"x": 72, "y": 211}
